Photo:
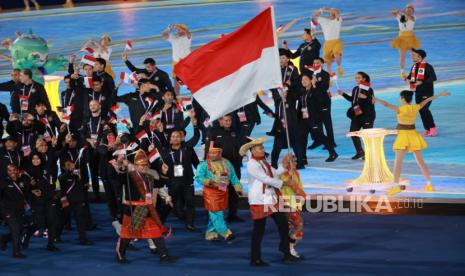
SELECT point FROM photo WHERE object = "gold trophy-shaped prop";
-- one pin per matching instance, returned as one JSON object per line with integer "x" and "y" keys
{"x": 376, "y": 174}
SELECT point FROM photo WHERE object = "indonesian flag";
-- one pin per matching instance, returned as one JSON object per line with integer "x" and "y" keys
{"x": 186, "y": 103}
{"x": 124, "y": 121}
{"x": 112, "y": 120}
{"x": 314, "y": 69}
{"x": 88, "y": 82}
{"x": 88, "y": 60}
{"x": 333, "y": 76}
{"x": 120, "y": 151}
{"x": 88, "y": 50}
{"x": 364, "y": 85}
{"x": 141, "y": 135}
{"x": 313, "y": 23}
{"x": 115, "y": 108}
{"x": 279, "y": 29}
{"x": 44, "y": 121}
{"x": 132, "y": 146}
{"x": 228, "y": 72}
{"x": 66, "y": 119}
{"x": 128, "y": 45}
{"x": 156, "y": 115}
{"x": 153, "y": 155}
{"x": 128, "y": 78}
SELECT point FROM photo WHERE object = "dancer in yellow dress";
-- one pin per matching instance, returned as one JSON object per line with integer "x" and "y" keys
{"x": 408, "y": 139}
{"x": 406, "y": 39}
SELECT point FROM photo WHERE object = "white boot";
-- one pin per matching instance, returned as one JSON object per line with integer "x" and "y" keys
{"x": 293, "y": 251}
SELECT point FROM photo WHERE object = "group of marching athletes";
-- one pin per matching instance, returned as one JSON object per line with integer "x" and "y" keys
{"x": 48, "y": 162}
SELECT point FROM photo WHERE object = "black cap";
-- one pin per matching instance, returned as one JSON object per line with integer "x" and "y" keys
{"x": 10, "y": 138}
{"x": 285, "y": 52}
{"x": 420, "y": 52}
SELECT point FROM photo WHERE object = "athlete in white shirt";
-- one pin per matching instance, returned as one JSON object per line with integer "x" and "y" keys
{"x": 406, "y": 39}
{"x": 331, "y": 27}
{"x": 181, "y": 41}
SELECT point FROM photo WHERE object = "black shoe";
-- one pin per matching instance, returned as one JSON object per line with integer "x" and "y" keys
{"x": 291, "y": 259}
{"x": 314, "y": 145}
{"x": 25, "y": 240}
{"x": 305, "y": 162}
{"x": 168, "y": 259}
{"x": 85, "y": 242}
{"x": 154, "y": 251}
{"x": 2, "y": 245}
{"x": 52, "y": 247}
{"x": 230, "y": 238}
{"x": 132, "y": 247}
{"x": 358, "y": 155}
{"x": 121, "y": 260}
{"x": 332, "y": 157}
{"x": 234, "y": 219}
{"x": 191, "y": 228}
{"x": 258, "y": 263}
{"x": 19, "y": 255}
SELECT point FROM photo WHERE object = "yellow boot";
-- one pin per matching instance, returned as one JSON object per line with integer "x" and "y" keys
{"x": 403, "y": 75}
{"x": 393, "y": 190}
{"x": 429, "y": 187}
{"x": 211, "y": 236}
{"x": 37, "y": 6}
{"x": 339, "y": 71}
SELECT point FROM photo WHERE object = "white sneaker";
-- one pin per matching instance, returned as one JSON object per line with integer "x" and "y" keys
{"x": 294, "y": 253}
{"x": 117, "y": 226}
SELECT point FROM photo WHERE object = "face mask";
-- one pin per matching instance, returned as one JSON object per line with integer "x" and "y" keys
{"x": 169, "y": 101}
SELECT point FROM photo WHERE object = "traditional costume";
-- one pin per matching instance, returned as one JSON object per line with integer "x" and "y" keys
{"x": 333, "y": 45}
{"x": 290, "y": 194}
{"x": 105, "y": 54}
{"x": 407, "y": 137}
{"x": 264, "y": 185}
{"x": 215, "y": 176}
{"x": 140, "y": 219}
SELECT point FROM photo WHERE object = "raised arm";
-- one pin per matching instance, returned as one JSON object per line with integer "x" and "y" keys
{"x": 444, "y": 93}
{"x": 386, "y": 104}
{"x": 289, "y": 25}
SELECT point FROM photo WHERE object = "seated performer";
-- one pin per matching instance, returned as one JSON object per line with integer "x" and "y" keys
{"x": 290, "y": 192}
{"x": 263, "y": 194}
{"x": 215, "y": 174}
{"x": 140, "y": 219}
{"x": 408, "y": 138}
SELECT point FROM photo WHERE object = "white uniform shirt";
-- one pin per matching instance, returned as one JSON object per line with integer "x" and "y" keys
{"x": 331, "y": 27}
{"x": 257, "y": 176}
{"x": 407, "y": 26}
{"x": 181, "y": 46}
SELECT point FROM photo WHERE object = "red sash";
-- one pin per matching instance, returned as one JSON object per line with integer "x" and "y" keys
{"x": 417, "y": 76}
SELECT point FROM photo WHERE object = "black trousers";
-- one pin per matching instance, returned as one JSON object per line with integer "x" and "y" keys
{"x": 183, "y": 197}
{"x": 278, "y": 145}
{"x": 247, "y": 128}
{"x": 259, "y": 230}
{"x": 78, "y": 210}
{"x": 425, "y": 113}
{"x": 94, "y": 160}
{"x": 45, "y": 215}
{"x": 14, "y": 219}
{"x": 357, "y": 123}
{"x": 159, "y": 243}
{"x": 233, "y": 197}
{"x": 112, "y": 198}
{"x": 325, "y": 116}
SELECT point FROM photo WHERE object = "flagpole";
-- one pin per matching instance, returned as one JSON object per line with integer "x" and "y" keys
{"x": 287, "y": 127}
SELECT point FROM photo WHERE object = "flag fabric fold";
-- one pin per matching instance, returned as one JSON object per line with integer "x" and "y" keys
{"x": 228, "y": 72}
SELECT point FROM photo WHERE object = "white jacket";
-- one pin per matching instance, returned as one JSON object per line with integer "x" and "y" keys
{"x": 257, "y": 177}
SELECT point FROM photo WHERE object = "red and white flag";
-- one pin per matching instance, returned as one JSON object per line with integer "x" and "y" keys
{"x": 186, "y": 103}
{"x": 115, "y": 108}
{"x": 88, "y": 50}
{"x": 223, "y": 76}
{"x": 156, "y": 116}
{"x": 88, "y": 82}
{"x": 88, "y": 60}
{"x": 132, "y": 146}
{"x": 141, "y": 135}
{"x": 313, "y": 23}
{"x": 66, "y": 119}
{"x": 45, "y": 122}
{"x": 333, "y": 76}
{"x": 364, "y": 85}
{"x": 128, "y": 78}
{"x": 153, "y": 155}
{"x": 128, "y": 45}
{"x": 112, "y": 120}
{"x": 124, "y": 121}
{"x": 313, "y": 68}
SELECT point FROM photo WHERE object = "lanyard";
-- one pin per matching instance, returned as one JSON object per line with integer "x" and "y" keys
{"x": 11, "y": 159}
{"x": 355, "y": 96}
{"x": 285, "y": 74}
{"x": 70, "y": 99}
{"x": 153, "y": 74}
{"x": 17, "y": 187}
{"x": 23, "y": 140}
{"x": 30, "y": 90}
{"x": 155, "y": 135}
{"x": 72, "y": 186}
{"x": 144, "y": 104}
{"x": 71, "y": 156}
{"x": 180, "y": 157}
{"x": 304, "y": 99}
{"x": 98, "y": 126}
{"x": 172, "y": 116}
{"x": 99, "y": 96}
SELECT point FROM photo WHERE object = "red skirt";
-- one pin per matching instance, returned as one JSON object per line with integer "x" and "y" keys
{"x": 214, "y": 199}
{"x": 263, "y": 211}
{"x": 150, "y": 230}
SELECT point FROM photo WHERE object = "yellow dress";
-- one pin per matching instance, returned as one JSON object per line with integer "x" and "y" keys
{"x": 409, "y": 140}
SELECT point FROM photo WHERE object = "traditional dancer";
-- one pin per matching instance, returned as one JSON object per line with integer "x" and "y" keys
{"x": 140, "y": 219}
{"x": 294, "y": 196}
{"x": 362, "y": 110}
{"x": 421, "y": 79}
{"x": 263, "y": 195}
{"x": 408, "y": 139}
{"x": 331, "y": 27}
{"x": 406, "y": 39}
{"x": 181, "y": 42}
{"x": 215, "y": 174}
